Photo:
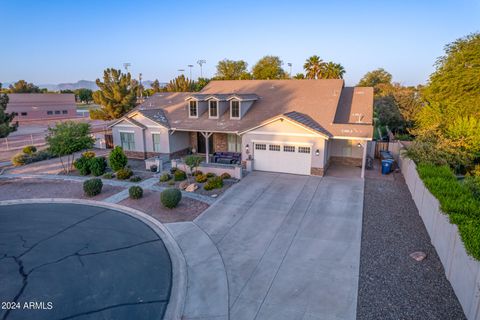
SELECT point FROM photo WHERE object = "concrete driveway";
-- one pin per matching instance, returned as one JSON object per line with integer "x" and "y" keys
{"x": 290, "y": 245}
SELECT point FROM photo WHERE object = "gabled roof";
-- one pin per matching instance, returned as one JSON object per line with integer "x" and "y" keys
{"x": 127, "y": 119}
{"x": 156, "y": 115}
{"x": 223, "y": 96}
{"x": 325, "y": 106}
{"x": 40, "y": 99}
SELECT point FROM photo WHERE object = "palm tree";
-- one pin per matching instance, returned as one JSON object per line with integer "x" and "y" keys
{"x": 312, "y": 67}
{"x": 180, "y": 84}
{"x": 332, "y": 70}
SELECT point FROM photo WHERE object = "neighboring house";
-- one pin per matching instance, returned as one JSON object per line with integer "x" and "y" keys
{"x": 293, "y": 126}
{"x": 42, "y": 106}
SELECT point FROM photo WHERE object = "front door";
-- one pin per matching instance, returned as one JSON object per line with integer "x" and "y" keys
{"x": 201, "y": 148}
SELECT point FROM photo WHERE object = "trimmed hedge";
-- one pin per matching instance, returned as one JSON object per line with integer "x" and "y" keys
{"x": 92, "y": 187}
{"x": 457, "y": 200}
{"x": 97, "y": 165}
{"x": 170, "y": 197}
{"x": 21, "y": 159}
{"x": 135, "y": 192}
{"x": 82, "y": 164}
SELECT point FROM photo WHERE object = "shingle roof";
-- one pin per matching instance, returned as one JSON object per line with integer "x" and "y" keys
{"x": 40, "y": 99}
{"x": 156, "y": 115}
{"x": 322, "y": 105}
{"x": 307, "y": 121}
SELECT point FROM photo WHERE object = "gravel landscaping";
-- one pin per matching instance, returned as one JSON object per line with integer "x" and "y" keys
{"x": 187, "y": 210}
{"x": 227, "y": 183}
{"x": 392, "y": 285}
{"x": 35, "y": 189}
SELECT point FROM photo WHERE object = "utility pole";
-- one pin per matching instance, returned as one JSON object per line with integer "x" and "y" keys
{"x": 201, "y": 62}
{"x": 190, "y": 66}
{"x": 290, "y": 65}
{"x": 127, "y": 65}
{"x": 140, "y": 86}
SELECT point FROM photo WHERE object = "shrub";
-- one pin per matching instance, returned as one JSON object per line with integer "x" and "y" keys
{"x": 165, "y": 177}
{"x": 108, "y": 175}
{"x": 92, "y": 187}
{"x": 179, "y": 175}
{"x": 171, "y": 183}
{"x": 117, "y": 159}
{"x": 29, "y": 149}
{"x": 20, "y": 159}
{"x": 88, "y": 154}
{"x": 135, "y": 179}
{"x": 124, "y": 174}
{"x": 173, "y": 169}
{"x": 213, "y": 183}
{"x": 135, "y": 192}
{"x": 196, "y": 173}
{"x": 473, "y": 184}
{"x": 225, "y": 175}
{"x": 211, "y": 175}
{"x": 170, "y": 197}
{"x": 82, "y": 164}
{"x": 457, "y": 200}
{"x": 97, "y": 165}
{"x": 153, "y": 168}
{"x": 193, "y": 161}
{"x": 41, "y": 155}
{"x": 201, "y": 178}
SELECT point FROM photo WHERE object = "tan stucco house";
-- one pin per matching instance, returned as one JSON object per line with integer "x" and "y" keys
{"x": 291, "y": 126}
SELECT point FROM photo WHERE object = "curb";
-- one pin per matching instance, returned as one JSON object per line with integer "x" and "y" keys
{"x": 178, "y": 292}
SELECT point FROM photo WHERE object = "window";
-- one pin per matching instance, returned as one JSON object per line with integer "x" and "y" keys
{"x": 193, "y": 109}
{"x": 260, "y": 146}
{"x": 303, "y": 149}
{"x": 213, "y": 109}
{"x": 288, "y": 149}
{"x": 24, "y": 114}
{"x": 234, "y": 143}
{"x": 235, "y": 109}
{"x": 156, "y": 142}
{"x": 49, "y": 113}
{"x": 274, "y": 147}
{"x": 64, "y": 111}
{"x": 127, "y": 140}
{"x": 57, "y": 111}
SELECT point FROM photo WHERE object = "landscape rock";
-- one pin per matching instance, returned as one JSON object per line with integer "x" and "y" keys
{"x": 183, "y": 185}
{"x": 191, "y": 188}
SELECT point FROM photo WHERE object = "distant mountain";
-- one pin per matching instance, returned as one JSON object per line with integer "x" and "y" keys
{"x": 82, "y": 84}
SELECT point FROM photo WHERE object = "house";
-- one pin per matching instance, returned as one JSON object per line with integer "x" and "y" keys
{"x": 292, "y": 126}
{"x": 42, "y": 106}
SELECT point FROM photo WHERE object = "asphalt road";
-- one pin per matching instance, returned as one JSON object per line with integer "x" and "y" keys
{"x": 66, "y": 261}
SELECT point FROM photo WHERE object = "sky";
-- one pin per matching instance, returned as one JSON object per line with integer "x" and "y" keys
{"x": 57, "y": 41}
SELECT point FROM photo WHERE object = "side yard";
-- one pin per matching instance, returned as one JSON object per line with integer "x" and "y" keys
{"x": 392, "y": 285}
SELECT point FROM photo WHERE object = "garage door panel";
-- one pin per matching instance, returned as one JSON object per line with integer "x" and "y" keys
{"x": 283, "y": 157}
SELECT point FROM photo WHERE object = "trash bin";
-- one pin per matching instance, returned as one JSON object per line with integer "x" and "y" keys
{"x": 387, "y": 166}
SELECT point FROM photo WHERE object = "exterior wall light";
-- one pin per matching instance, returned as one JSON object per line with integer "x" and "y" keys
{"x": 317, "y": 152}
{"x": 247, "y": 149}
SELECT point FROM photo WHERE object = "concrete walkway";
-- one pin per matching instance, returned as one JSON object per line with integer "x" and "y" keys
{"x": 290, "y": 246}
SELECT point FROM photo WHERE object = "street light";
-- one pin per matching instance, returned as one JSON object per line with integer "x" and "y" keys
{"x": 181, "y": 70}
{"x": 201, "y": 62}
{"x": 190, "y": 66}
{"x": 290, "y": 65}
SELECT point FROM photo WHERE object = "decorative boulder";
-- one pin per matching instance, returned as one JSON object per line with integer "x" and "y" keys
{"x": 183, "y": 185}
{"x": 191, "y": 188}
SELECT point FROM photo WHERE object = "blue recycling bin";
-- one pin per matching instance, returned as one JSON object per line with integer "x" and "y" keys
{"x": 387, "y": 166}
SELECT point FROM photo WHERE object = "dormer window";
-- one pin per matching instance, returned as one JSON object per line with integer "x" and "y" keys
{"x": 235, "y": 109}
{"x": 213, "y": 109}
{"x": 193, "y": 110}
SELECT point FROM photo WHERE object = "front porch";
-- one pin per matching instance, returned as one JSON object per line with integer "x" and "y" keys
{"x": 207, "y": 143}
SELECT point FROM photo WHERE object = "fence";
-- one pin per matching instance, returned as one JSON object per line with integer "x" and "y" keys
{"x": 11, "y": 144}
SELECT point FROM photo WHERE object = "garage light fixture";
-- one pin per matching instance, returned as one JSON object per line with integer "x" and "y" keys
{"x": 317, "y": 152}
{"x": 247, "y": 147}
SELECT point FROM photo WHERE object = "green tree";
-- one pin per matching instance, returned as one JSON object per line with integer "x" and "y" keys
{"x": 6, "y": 118}
{"x": 117, "y": 159}
{"x": 313, "y": 67}
{"x": 117, "y": 95}
{"x": 269, "y": 67}
{"x": 299, "y": 76}
{"x": 84, "y": 95}
{"x": 231, "y": 70}
{"x": 332, "y": 70}
{"x": 66, "y": 138}
{"x": 23, "y": 86}
{"x": 379, "y": 79}
{"x": 180, "y": 84}
{"x": 201, "y": 83}
{"x": 156, "y": 86}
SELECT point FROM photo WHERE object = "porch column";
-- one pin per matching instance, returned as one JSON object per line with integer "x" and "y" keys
{"x": 207, "y": 135}
{"x": 364, "y": 159}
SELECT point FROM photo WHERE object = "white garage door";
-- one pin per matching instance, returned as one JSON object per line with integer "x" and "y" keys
{"x": 282, "y": 157}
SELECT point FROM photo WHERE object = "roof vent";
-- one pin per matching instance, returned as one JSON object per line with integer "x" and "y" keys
{"x": 359, "y": 115}
{"x": 360, "y": 92}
